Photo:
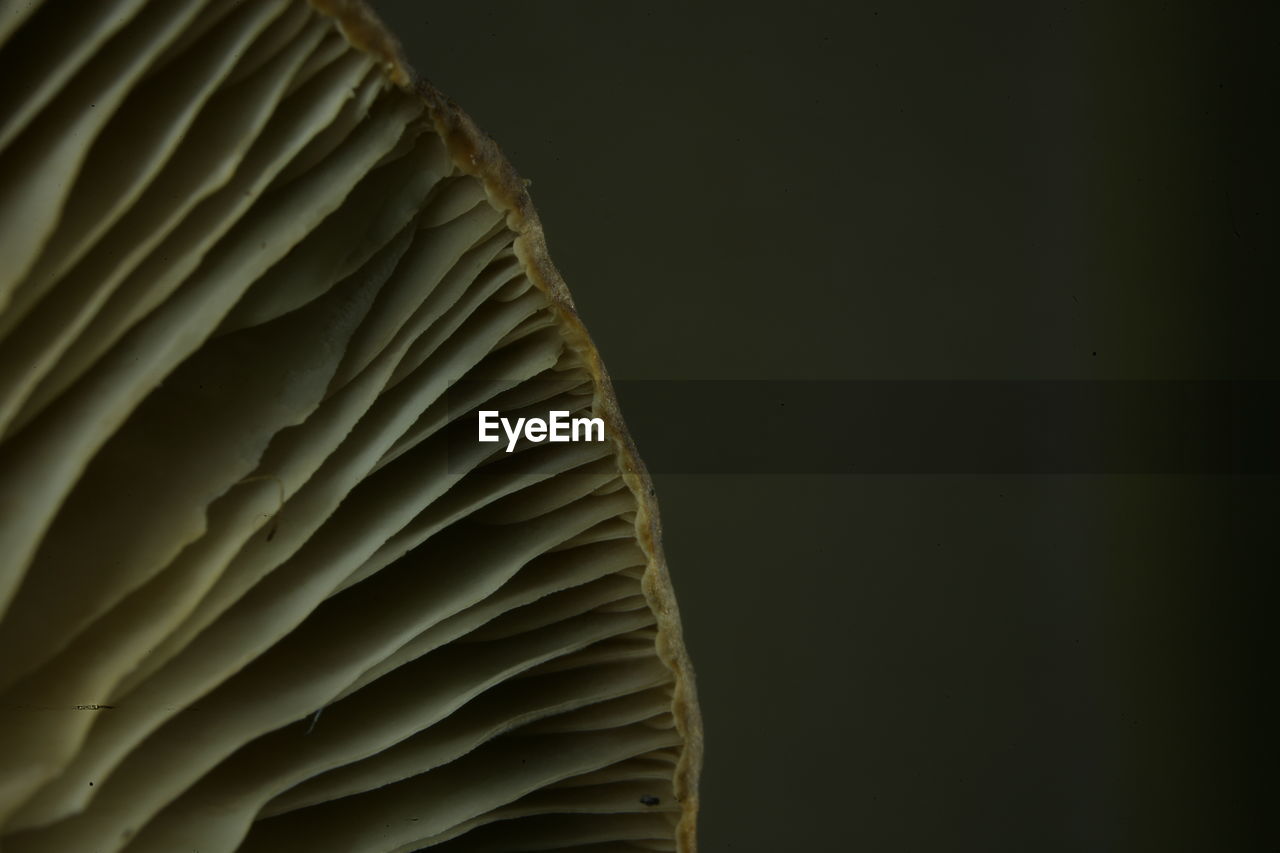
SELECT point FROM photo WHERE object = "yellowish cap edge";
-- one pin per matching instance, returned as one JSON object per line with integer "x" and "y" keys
{"x": 476, "y": 154}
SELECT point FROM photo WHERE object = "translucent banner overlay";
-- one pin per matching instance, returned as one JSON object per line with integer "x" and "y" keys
{"x": 930, "y": 427}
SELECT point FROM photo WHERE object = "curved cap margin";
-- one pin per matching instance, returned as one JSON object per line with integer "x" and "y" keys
{"x": 476, "y": 154}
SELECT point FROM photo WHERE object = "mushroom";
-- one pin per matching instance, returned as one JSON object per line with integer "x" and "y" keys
{"x": 261, "y": 588}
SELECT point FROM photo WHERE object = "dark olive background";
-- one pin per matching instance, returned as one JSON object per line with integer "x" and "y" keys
{"x": 924, "y": 191}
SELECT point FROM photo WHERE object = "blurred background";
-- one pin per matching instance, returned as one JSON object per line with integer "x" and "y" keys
{"x": 924, "y": 191}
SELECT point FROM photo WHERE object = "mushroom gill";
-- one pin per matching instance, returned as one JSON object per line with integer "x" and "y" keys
{"x": 260, "y": 587}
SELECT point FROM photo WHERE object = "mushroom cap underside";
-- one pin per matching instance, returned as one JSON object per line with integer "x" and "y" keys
{"x": 260, "y": 588}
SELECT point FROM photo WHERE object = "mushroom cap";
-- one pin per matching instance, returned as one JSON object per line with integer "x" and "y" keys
{"x": 260, "y": 589}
